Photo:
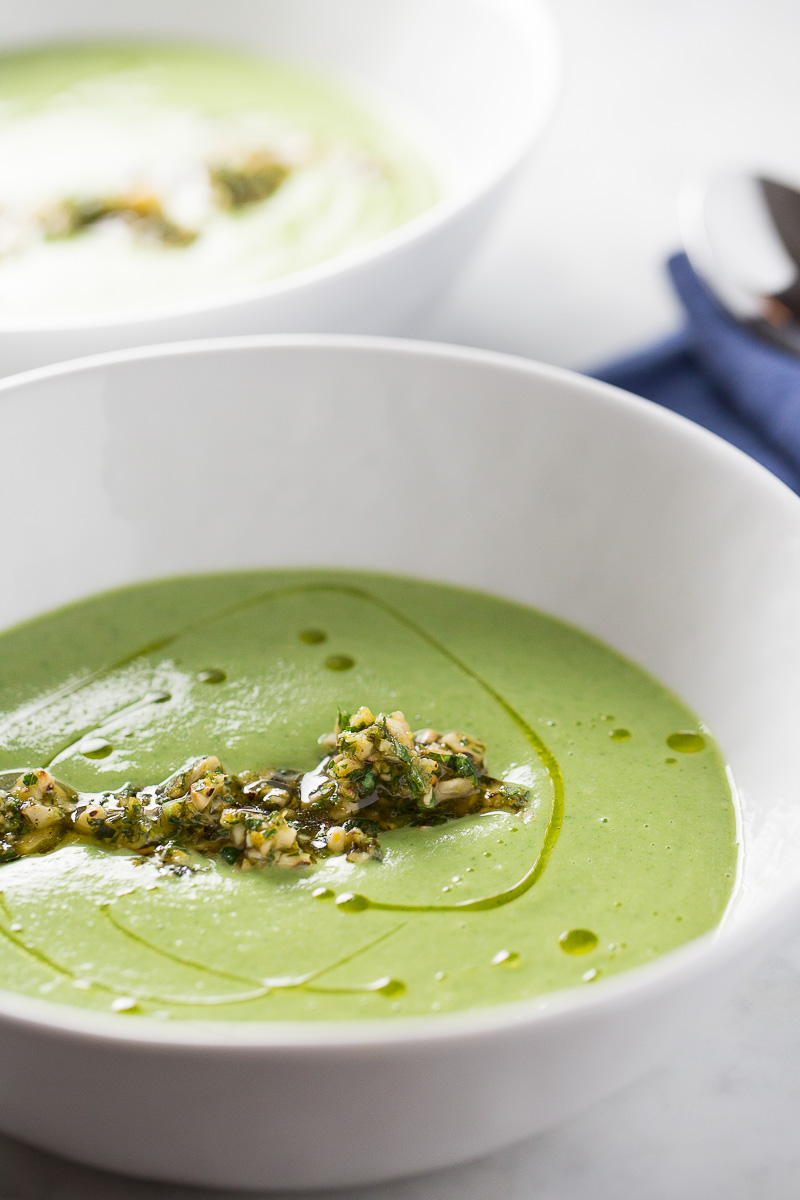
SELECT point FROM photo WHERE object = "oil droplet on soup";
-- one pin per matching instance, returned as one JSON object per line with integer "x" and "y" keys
{"x": 348, "y": 902}
{"x": 686, "y": 741}
{"x": 506, "y": 958}
{"x": 577, "y": 941}
{"x": 211, "y": 675}
{"x": 339, "y": 662}
{"x": 95, "y": 747}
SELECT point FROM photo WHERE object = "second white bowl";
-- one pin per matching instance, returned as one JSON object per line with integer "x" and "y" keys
{"x": 476, "y": 78}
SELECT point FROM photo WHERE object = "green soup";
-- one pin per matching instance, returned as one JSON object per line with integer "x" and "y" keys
{"x": 142, "y": 175}
{"x": 625, "y": 850}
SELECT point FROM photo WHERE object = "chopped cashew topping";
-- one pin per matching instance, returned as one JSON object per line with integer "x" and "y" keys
{"x": 376, "y": 776}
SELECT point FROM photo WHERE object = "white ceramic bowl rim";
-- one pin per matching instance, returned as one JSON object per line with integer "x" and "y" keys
{"x": 537, "y": 30}
{"x": 695, "y": 959}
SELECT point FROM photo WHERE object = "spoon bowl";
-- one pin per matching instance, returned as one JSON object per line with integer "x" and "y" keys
{"x": 742, "y": 235}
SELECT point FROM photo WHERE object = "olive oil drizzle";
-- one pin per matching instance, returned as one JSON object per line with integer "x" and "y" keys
{"x": 546, "y": 757}
{"x": 76, "y": 685}
{"x": 44, "y": 960}
{"x": 258, "y": 989}
{"x": 279, "y": 983}
{"x": 544, "y": 754}
{"x": 39, "y": 955}
{"x": 108, "y": 723}
{"x": 106, "y": 910}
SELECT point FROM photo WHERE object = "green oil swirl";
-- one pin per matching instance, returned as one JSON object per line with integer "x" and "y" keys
{"x": 91, "y": 742}
{"x": 384, "y": 985}
{"x": 258, "y": 989}
{"x": 347, "y": 902}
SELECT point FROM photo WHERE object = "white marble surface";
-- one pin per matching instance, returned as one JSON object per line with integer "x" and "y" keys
{"x": 654, "y": 89}
{"x": 718, "y": 1122}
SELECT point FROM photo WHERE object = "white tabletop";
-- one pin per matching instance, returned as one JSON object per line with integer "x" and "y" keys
{"x": 720, "y": 1122}
{"x": 572, "y": 274}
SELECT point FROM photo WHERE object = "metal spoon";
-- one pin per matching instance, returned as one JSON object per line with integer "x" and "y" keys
{"x": 742, "y": 236}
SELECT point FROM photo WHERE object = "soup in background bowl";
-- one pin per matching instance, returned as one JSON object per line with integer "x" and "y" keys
{"x": 144, "y": 175}
{"x": 174, "y": 172}
{"x": 405, "y": 509}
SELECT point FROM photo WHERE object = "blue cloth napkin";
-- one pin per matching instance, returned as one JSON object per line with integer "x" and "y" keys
{"x": 721, "y": 376}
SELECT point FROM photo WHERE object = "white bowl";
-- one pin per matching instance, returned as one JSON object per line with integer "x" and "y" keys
{"x": 476, "y": 78}
{"x": 603, "y": 509}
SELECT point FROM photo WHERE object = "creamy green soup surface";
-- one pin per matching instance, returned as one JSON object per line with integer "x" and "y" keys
{"x": 625, "y": 848}
{"x": 136, "y": 176}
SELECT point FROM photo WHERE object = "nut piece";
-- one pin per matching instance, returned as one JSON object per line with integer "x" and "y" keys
{"x": 35, "y": 786}
{"x": 337, "y": 839}
{"x": 87, "y": 819}
{"x": 451, "y": 789}
{"x": 41, "y": 816}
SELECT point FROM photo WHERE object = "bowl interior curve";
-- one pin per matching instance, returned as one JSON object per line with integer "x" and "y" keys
{"x": 491, "y": 473}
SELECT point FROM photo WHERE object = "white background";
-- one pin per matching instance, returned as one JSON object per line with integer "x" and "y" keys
{"x": 572, "y": 273}
{"x": 654, "y": 91}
